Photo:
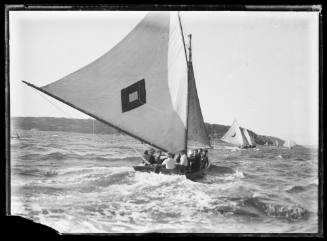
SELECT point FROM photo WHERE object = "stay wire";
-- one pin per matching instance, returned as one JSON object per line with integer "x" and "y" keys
{"x": 57, "y": 107}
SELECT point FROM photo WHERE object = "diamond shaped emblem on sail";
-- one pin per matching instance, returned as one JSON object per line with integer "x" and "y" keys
{"x": 133, "y": 96}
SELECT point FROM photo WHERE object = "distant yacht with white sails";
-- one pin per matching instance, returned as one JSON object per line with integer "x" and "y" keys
{"x": 237, "y": 137}
{"x": 289, "y": 144}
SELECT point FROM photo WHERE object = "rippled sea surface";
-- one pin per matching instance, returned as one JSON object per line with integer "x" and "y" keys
{"x": 84, "y": 183}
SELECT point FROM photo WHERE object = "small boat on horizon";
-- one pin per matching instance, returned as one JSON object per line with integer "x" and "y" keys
{"x": 15, "y": 136}
{"x": 289, "y": 144}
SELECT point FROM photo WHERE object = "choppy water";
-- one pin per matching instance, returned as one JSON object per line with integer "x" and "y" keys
{"x": 77, "y": 183}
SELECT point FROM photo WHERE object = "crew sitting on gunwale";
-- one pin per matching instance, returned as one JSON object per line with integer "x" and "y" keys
{"x": 193, "y": 162}
{"x": 169, "y": 163}
{"x": 148, "y": 158}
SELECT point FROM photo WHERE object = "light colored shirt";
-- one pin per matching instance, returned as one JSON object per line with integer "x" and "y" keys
{"x": 170, "y": 163}
{"x": 184, "y": 160}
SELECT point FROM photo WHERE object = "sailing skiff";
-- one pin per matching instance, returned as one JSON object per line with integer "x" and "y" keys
{"x": 144, "y": 87}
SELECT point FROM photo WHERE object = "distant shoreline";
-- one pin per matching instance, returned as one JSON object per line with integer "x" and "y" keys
{"x": 215, "y": 131}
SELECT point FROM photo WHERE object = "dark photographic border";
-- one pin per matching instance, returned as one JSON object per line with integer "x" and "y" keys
{"x": 17, "y": 225}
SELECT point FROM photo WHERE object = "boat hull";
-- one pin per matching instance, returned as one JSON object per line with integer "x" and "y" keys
{"x": 157, "y": 169}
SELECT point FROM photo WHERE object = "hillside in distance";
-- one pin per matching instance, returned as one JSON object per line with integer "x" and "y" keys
{"x": 215, "y": 131}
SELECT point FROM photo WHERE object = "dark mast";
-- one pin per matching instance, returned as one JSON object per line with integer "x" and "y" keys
{"x": 190, "y": 49}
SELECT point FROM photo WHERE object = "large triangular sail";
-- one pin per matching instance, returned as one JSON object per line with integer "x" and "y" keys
{"x": 143, "y": 86}
{"x": 139, "y": 86}
{"x": 234, "y": 135}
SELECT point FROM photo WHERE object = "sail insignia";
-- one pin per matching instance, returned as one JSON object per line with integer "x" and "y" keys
{"x": 133, "y": 96}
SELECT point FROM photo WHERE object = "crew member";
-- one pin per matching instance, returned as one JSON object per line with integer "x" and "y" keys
{"x": 169, "y": 163}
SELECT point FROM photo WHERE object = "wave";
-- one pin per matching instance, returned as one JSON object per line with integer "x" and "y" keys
{"x": 68, "y": 156}
{"x": 296, "y": 189}
{"x": 109, "y": 179}
{"x": 54, "y": 156}
{"x": 34, "y": 172}
{"x": 299, "y": 188}
{"x": 256, "y": 207}
{"x": 94, "y": 176}
{"x": 30, "y": 156}
{"x": 220, "y": 169}
{"x": 289, "y": 212}
{"x": 299, "y": 159}
{"x": 229, "y": 158}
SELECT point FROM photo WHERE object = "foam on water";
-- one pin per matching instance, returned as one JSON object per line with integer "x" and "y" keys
{"x": 91, "y": 187}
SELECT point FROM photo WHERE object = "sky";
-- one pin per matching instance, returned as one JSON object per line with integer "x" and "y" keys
{"x": 260, "y": 68}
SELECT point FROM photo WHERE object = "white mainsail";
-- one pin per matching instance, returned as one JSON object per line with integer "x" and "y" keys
{"x": 234, "y": 135}
{"x": 141, "y": 86}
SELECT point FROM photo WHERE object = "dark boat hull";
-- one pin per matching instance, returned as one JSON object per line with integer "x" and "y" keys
{"x": 156, "y": 169}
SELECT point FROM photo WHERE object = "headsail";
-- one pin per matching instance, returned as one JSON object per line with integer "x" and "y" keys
{"x": 234, "y": 135}
{"x": 139, "y": 86}
{"x": 247, "y": 136}
{"x": 197, "y": 135}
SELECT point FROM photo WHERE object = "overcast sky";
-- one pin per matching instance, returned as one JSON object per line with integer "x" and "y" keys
{"x": 258, "y": 67}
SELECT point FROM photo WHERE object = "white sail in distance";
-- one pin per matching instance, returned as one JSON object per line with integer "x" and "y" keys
{"x": 234, "y": 135}
{"x": 139, "y": 87}
{"x": 289, "y": 144}
{"x": 247, "y": 136}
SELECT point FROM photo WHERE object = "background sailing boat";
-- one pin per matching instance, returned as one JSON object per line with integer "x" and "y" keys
{"x": 289, "y": 144}
{"x": 16, "y": 135}
{"x": 235, "y": 136}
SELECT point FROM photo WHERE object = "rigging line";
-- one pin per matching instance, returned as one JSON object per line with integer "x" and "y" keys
{"x": 188, "y": 81}
{"x": 57, "y": 107}
{"x": 93, "y": 132}
{"x": 93, "y": 128}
